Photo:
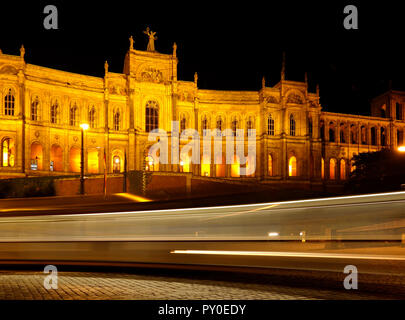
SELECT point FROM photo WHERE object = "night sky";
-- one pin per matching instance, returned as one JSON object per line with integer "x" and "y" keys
{"x": 230, "y": 44}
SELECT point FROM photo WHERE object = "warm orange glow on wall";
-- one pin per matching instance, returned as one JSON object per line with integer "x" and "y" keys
{"x": 220, "y": 168}
{"x": 250, "y": 166}
{"x": 342, "y": 169}
{"x": 270, "y": 165}
{"x": 92, "y": 161}
{"x": 57, "y": 158}
{"x": 8, "y": 152}
{"x": 186, "y": 164}
{"x": 235, "y": 167}
{"x": 74, "y": 159}
{"x": 292, "y": 167}
{"x": 323, "y": 168}
{"x": 205, "y": 167}
{"x": 37, "y": 154}
{"x": 332, "y": 169}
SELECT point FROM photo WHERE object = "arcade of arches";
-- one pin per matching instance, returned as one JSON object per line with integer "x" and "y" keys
{"x": 296, "y": 140}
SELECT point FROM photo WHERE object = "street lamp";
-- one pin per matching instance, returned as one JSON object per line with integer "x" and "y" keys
{"x": 84, "y": 127}
{"x": 401, "y": 149}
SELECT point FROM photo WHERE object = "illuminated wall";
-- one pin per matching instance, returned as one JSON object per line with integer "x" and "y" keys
{"x": 121, "y": 108}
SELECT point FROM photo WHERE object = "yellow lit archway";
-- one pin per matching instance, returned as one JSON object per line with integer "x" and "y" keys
{"x": 235, "y": 167}
{"x": 92, "y": 161}
{"x": 292, "y": 167}
{"x": 332, "y": 169}
{"x": 36, "y": 156}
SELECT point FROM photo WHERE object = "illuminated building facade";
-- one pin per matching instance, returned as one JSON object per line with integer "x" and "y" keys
{"x": 42, "y": 109}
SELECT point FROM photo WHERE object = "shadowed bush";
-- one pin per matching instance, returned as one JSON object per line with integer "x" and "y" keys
{"x": 27, "y": 187}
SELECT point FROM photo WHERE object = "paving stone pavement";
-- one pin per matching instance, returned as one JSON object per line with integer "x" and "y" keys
{"x": 27, "y": 285}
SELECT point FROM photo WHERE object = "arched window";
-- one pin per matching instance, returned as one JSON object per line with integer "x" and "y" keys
{"x": 152, "y": 116}
{"x": 332, "y": 169}
{"x": 331, "y": 132}
{"x": 7, "y": 152}
{"x": 234, "y": 126}
{"x": 270, "y": 126}
{"x": 342, "y": 133}
{"x": 219, "y": 126}
{"x": 9, "y": 103}
{"x": 322, "y": 168}
{"x": 55, "y": 112}
{"x": 117, "y": 120}
{"x": 342, "y": 169}
{"x": 383, "y": 137}
{"x": 399, "y": 114}
{"x": 353, "y": 130}
{"x": 204, "y": 125}
{"x": 383, "y": 111}
{"x": 92, "y": 117}
{"x": 310, "y": 129}
{"x": 363, "y": 135}
{"x": 34, "y": 109}
{"x": 249, "y": 127}
{"x": 292, "y": 125}
{"x": 292, "y": 167}
{"x": 73, "y": 117}
{"x": 270, "y": 165}
{"x": 400, "y": 137}
{"x": 322, "y": 130}
{"x": 183, "y": 122}
{"x": 373, "y": 136}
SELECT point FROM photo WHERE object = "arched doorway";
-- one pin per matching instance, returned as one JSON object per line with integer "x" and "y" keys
{"x": 36, "y": 156}
{"x": 235, "y": 167}
{"x": 56, "y": 163}
{"x": 116, "y": 164}
{"x": 74, "y": 159}
{"x": 292, "y": 167}
{"x": 205, "y": 166}
{"x": 342, "y": 169}
{"x": 270, "y": 165}
{"x": 92, "y": 161}
{"x": 322, "y": 168}
{"x": 220, "y": 167}
{"x": 185, "y": 163}
{"x": 250, "y": 166}
{"x": 332, "y": 169}
{"x": 7, "y": 152}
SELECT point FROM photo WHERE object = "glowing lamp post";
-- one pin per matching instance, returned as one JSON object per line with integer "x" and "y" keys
{"x": 401, "y": 149}
{"x": 84, "y": 127}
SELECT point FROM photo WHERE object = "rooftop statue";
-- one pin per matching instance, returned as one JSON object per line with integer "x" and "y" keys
{"x": 152, "y": 38}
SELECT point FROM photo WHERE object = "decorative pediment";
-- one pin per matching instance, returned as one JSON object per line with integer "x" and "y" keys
{"x": 8, "y": 69}
{"x": 272, "y": 99}
{"x": 116, "y": 89}
{"x": 186, "y": 96}
{"x": 151, "y": 75}
{"x": 294, "y": 98}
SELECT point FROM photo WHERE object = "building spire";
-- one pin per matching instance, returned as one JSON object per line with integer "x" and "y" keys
{"x": 263, "y": 82}
{"x": 106, "y": 67}
{"x": 131, "y": 43}
{"x": 195, "y": 78}
{"x": 22, "y": 52}
{"x": 174, "y": 49}
{"x": 317, "y": 89}
{"x": 283, "y": 67}
{"x": 306, "y": 77}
